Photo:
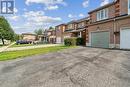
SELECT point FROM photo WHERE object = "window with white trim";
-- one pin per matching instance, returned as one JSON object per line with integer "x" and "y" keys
{"x": 102, "y": 14}
{"x": 129, "y": 7}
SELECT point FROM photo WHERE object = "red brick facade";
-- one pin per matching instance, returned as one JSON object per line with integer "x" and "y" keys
{"x": 118, "y": 18}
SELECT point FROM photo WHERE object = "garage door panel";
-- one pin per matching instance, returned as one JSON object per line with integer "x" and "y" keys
{"x": 100, "y": 39}
{"x": 58, "y": 40}
{"x": 125, "y": 39}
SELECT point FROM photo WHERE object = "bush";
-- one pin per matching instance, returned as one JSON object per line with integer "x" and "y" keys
{"x": 73, "y": 41}
{"x": 80, "y": 41}
{"x": 70, "y": 41}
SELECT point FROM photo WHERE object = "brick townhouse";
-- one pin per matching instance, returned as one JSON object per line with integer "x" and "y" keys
{"x": 78, "y": 28}
{"x": 49, "y": 36}
{"x": 61, "y": 34}
{"x": 110, "y": 26}
{"x": 106, "y": 27}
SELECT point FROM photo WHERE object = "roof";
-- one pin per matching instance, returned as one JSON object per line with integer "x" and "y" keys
{"x": 50, "y": 30}
{"x": 72, "y": 31}
{"x": 80, "y": 20}
{"x": 60, "y": 25}
{"x": 83, "y": 19}
{"x": 74, "y": 21}
{"x": 107, "y": 5}
{"x": 28, "y": 34}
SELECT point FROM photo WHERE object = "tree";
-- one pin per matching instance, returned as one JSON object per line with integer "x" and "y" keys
{"x": 51, "y": 28}
{"x": 38, "y": 31}
{"x": 17, "y": 37}
{"x": 6, "y": 32}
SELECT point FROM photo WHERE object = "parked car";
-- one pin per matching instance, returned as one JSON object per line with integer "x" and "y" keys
{"x": 23, "y": 42}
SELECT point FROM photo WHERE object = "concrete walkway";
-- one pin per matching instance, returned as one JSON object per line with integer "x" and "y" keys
{"x": 31, "y": 47}
{"x": 6, "y": 47}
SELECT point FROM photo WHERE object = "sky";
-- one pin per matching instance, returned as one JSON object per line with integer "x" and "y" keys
{"x": 41, "y": 14}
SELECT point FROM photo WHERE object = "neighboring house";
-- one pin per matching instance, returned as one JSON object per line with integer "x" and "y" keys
{"x": 29, "y": 36}
{"x": 40, "y": 38}
{"x": 78, "y": 28}
{"x": 45, "y": 36}
{"x": 110, "y": 26}
{"x": 51, "y": 36}
{"x": 61, "y": 34}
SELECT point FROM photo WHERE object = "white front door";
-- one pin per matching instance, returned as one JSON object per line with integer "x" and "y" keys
{"x": 125, "y": 38}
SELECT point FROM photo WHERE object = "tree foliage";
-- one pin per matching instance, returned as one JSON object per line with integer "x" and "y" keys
{"x": 51, "y": 28}
{"x": 38, "y": 31}
{"x": 6, "y": 32}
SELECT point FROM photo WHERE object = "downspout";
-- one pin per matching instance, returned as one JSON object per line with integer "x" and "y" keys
{"x": 114, "y": 33}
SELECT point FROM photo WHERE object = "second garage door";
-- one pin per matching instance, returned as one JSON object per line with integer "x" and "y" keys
{"x": 100, "y": 39}
{"x": 125, "y": 39}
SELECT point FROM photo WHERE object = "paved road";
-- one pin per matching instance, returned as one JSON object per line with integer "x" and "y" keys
{"x": 78, "y": 67}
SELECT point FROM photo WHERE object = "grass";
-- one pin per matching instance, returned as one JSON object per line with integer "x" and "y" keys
{"x": 23, "y": 53}
{"x": 22, "y": 45}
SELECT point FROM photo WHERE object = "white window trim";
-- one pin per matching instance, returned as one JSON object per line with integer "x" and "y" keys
{"x": 128, "y": 7}
{"x": 105, "y": 14}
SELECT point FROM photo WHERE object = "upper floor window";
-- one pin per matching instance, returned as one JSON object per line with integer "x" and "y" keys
{"x": 102, "y": 14}
{"x": 128, "y": 6}
{"x": 70, "y": 26}
{"x": 81, "y": 24}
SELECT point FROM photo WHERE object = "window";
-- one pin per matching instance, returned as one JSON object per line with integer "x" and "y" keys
{"x": 70, "y": 26}
{"x": 128, "y": 6}
{"x": 102, "y": 14}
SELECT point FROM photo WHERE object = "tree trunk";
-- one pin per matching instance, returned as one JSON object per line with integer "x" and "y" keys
{"x": 3, "y": 41}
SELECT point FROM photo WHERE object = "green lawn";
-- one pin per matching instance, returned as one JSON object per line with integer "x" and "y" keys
{"x": 23, "y": 53}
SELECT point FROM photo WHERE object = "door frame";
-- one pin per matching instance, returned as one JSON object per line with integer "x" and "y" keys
{"x": 90, "y": 35}
{"x": 122, "y": 28}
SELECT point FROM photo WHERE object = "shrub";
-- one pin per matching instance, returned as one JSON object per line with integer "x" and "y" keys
{"x": 70, "y": 41}
{"x": 73, "y": 41}
{"x": 80, "y": 41}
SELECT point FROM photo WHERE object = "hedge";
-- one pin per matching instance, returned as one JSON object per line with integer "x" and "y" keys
{"x": 73, "y": 41}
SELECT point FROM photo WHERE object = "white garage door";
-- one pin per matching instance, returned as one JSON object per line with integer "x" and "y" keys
{"x": 125, "y": 39}
{"x": 58, "y": 40}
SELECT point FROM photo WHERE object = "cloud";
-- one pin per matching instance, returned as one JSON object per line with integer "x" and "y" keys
{"x": 104, "y": 2}
{"x": 71, "y": 16}
{"x": 81, "y": 15}
{"x": 14, "y": 18}
{"x": 38, "y": 18}
{"x": 52, "y": 7}
{"x": 85, "y": 3}
{"x": 25, "y": 9}
{"x": 15, "y": 10}
{"x": 49, "y": 4}
{"x": 31, "y": 20}
{"x": 46, "y": 2}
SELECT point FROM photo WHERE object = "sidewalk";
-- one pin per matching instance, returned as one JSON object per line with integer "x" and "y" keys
{"x": 6, "y": 47}
{"x": 31, "y": 47}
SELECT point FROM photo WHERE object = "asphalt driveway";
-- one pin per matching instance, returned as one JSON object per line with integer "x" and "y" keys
{"x": 77, "y": 67}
